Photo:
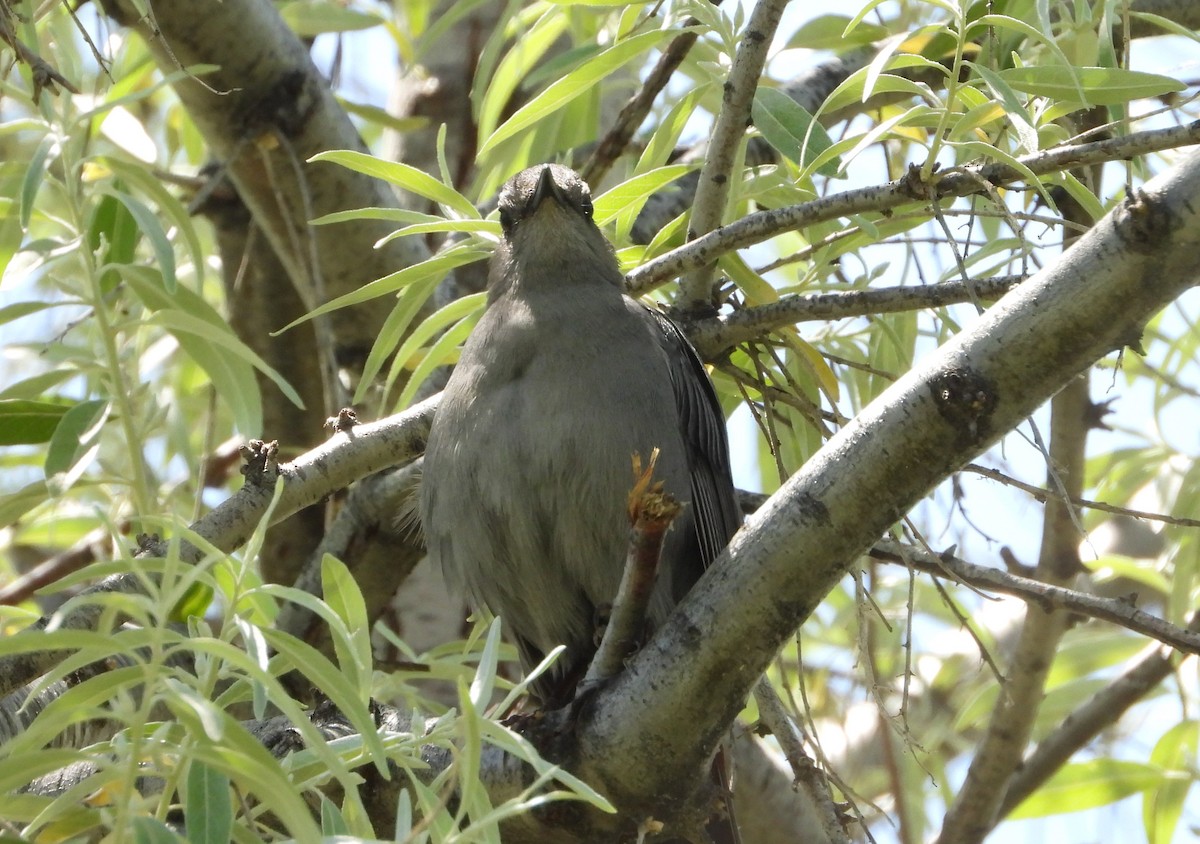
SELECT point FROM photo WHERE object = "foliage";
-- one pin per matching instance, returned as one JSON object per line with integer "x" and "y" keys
{"x": 122, "y": 375}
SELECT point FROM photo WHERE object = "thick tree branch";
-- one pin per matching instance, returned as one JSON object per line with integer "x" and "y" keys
{"x": 949, "y": 408}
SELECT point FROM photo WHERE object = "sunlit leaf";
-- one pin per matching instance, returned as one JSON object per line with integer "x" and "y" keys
{"x": 1085, "y": 785}
{"x": 1091, "y": 85}
{"x": 579, "y": 81}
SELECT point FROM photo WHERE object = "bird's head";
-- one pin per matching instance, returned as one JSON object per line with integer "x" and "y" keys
{"x": 549, "y": 234}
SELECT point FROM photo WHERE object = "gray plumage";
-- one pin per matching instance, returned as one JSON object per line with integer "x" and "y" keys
{"x": 527, "y": 470}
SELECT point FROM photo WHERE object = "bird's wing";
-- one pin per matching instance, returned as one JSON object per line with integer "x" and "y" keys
{"x": 702, "y": 424}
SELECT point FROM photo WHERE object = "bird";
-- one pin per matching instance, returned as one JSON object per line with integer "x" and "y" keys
{"x": 527, "y": 466}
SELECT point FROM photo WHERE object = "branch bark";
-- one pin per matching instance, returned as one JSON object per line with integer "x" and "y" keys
{"x": 763, "y": 225}
{"x": 264, "y": 111}
{"x": 665, "y": 714}
{"x": 712, "y": 192}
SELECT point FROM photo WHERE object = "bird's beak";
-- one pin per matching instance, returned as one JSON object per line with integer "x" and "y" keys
{"x": 546, "y": 188}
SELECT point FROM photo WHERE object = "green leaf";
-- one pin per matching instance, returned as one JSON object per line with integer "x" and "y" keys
{"x": 410, "y": 302}
{"x": 10, "y": 228}
{"x": 208, "y": 809}
{"x": 112, "y": 224}
{"x": 211, "y": 347}
{"x": 437, "y": 266}
{"x": 577, "y": 82}
{"x": 854, "y": 89}
{"x": 1018, "y": 116}
{"x": 25, "y": 422}
{"x": 36, "y": 386}
{"x": 74, "y": 435}
{"x": 661, "y": 145}
{"x": 1091, "y": 85}
{"x": 490, "y": 227}
{"x": 164, "y": 254}
{"x": 403, "y": 176}
{"x": 332, "y": 821}
{"x": 484, "y": 682}
{"x": 145, "y": 181}
{"x": 150, "y": 830}
{"x": 828, "y": 32}
{"x": 631, "y": 195}
{"x": 1086, "y": 785}
{"x": 513, "y": 70}
{"x": 790, "y": 129}
{"x": 326, "y": 676}
{"x": 179, "y": 321}
{"x": 309, "y": 18}
{"x": 1162, "y": 807}
{"x": 33, "y": 178}
{"x": 344, "y": 597}
{"x": 16, "y": 504}
{"x": 466, "y": 307}
{"x": 440, "y": 353}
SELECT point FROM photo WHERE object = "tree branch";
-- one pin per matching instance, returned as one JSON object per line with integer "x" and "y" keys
{"x": 712, "y": 192}
{"x": 712, "y": 336}
{"x": 1046, "y": 596}
{"x": 1086, "y": 722}
{"x": 949, "y": 408}
{"x": 963, "y": 181}
{"x": 346, "y": 457}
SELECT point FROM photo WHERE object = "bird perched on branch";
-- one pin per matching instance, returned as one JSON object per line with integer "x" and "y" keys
{"x": 527, "y": 468}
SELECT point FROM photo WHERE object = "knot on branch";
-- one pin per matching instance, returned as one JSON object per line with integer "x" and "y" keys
{"x": 965, "y": 399}
{"x": 1142, "y": 222}
{"x": 914, "y": 183}
{"x": 284, "y": 109}
{"x": 344, "y": 422}
{"x": 260, "y": 463}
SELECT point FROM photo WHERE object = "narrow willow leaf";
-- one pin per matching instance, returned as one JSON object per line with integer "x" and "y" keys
{"x": 403, "y": 176}
{"x": 208, "y": 809}
{"x": 1090, "y": 85}
{"x": 577, "y": 82}
{"x": 791, "y": 130}
{"x": 633, "y": 193}
{"x": 25, "y": 422}
{"x": 1085, "y": 785}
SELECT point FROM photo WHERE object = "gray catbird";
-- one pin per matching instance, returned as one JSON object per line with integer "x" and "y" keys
{"x": 528, "y": 465}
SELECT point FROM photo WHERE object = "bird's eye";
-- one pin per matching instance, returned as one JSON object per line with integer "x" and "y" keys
{"x": 585, "y": 205}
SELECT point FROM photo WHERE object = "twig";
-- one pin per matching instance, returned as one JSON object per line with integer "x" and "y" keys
{"x": 613, "y": 144}
{"x": 651, "y": 512}
{"x": 1085, "y": 723}
{"x": 1043, "y": 595}
{"x": 1041, "y": 494}
{"x": 714, "y": 335}
{"x": 712, "y": 193}
{"x": 763, "y": 225}
{"x": 44, "y": 76}
{"x": 812, "y": 779}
